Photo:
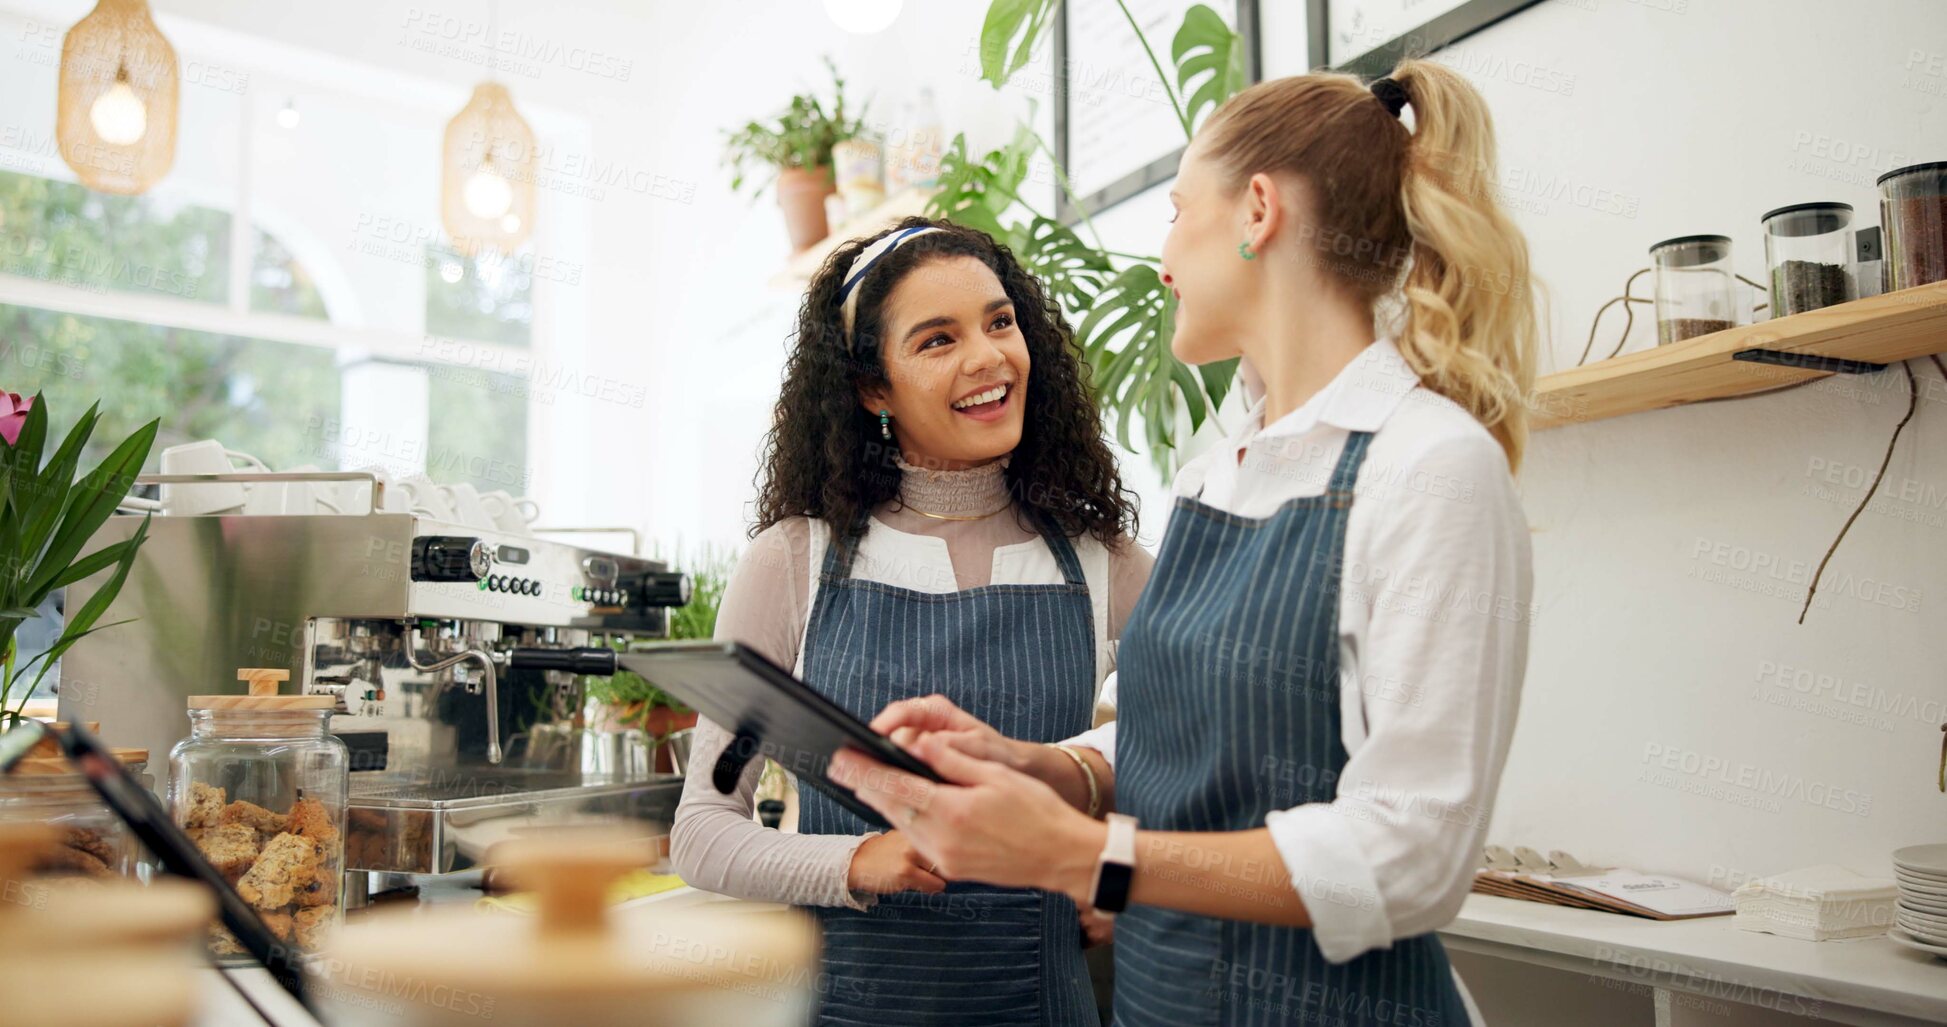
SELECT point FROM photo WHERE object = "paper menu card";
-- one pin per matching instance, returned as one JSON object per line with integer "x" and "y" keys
{"x": 1656, "y": 896}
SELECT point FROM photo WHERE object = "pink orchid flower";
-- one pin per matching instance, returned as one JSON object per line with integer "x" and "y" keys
{"x": 13, "y": 414}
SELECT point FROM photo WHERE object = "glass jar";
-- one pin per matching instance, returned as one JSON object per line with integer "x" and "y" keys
{"x": 1696, "y": 288}
{"x": 1913, "y": 213}
{"x": 95, "y": 843}
{"x": 1808, "y": 251}
{"x": 260, "y": 785}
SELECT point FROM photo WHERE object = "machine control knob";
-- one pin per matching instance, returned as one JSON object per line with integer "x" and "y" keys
{"x": 664, "y": 588}
{"x": 450, "y": 558}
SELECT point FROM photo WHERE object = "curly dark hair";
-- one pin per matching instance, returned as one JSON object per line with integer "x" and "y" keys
{"x": 824, "y": 456}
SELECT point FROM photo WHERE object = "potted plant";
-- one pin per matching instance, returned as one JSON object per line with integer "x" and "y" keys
{"x": 625, "y": 700}
{"x": 797, "y": 144}
{"x": 46, "y": 516}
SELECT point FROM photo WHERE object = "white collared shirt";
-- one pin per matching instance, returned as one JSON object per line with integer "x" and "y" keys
{"x": 1436, "y": 596}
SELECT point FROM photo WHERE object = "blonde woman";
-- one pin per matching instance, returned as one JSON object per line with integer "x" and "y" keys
{"x": 1319, "y": 681}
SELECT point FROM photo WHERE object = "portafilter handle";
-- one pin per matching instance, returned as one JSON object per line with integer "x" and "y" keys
{"x": 592, "y": 660}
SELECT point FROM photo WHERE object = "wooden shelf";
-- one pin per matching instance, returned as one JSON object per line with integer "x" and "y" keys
{"x": 1881, "y": 330}
{"x": 804, "y": 263}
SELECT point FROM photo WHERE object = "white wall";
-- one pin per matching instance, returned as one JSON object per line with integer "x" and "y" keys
{"x": 1657, "y": 535}
{"x": 1651, "y": 646}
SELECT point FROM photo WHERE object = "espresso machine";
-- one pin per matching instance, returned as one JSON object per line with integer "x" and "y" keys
{"x": 454, "y": 654}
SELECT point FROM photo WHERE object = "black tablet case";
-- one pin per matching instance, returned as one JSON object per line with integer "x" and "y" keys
{"x": 769, "y": 712}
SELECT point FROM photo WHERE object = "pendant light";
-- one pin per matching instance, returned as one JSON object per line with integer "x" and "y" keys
{"x": 486, "y": 188}
{"x": 116, "y": 114}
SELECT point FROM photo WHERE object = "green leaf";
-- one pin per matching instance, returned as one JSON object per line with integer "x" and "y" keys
{"x": 98, "y": 603}
{"x": 1128, "y": 319}
{"x": 1008, "y": 35}
{"x": 50, "y": 493}
{"x": 1205, "y": 47}
{"x": 81, "y": 623}
{"x": 1217, "y": 379}
{"x": 1071, "y": 270}
{"x": 107, "y": 556}
{"x": 93, "y": 501}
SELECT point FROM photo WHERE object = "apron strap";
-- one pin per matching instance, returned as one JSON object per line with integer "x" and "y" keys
{"x": 1350, "y": 458}
{"x": 843, "y": 548}
{"x": 1065, "y": 558}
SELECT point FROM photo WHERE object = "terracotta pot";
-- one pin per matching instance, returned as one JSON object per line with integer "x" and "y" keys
{"x": 661, "y": 721}
{"x": 801, "y": 192}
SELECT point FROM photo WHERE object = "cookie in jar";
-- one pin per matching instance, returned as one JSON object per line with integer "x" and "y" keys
{"x": 259, "y": 785}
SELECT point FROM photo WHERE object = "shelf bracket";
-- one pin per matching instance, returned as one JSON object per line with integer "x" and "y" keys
{"x": 1807, "y": 361}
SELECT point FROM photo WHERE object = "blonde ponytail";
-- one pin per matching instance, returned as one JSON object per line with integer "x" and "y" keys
{"x": 1423, "y": 199}
{"x": 1470, "y": 331}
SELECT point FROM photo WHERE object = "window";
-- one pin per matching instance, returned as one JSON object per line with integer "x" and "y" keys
{"x": 286, "y": 289}
{"x": 63, "y": 233}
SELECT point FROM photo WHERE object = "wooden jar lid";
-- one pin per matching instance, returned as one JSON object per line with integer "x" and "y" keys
{"x": 263, "y": 694}
{"x": 87, "y": 915}
{"x": 111, "y": 954}
{"x": 38, "y": 764}
{"x": 574, "y": 955}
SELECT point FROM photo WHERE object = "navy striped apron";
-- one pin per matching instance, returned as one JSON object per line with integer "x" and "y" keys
{"x": 1020, "y": 657}
{"x": 1229, "y": 685}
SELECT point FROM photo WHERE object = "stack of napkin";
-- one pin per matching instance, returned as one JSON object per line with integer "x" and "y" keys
{"x": 1819, "y": 903}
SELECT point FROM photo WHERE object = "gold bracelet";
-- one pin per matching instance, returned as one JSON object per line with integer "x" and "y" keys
{"x": 1088, "y": 772}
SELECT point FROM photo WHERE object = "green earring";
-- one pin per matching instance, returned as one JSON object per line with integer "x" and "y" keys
{"x": 885, "y": 423}
{"x": 1244, "y": 250}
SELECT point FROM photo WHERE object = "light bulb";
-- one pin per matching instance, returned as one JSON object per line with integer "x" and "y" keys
{"x": 486, "y": 194}
{"x": 289, "y": 116}
{"x": 863, "y": 17}
{"x": 511, "y": 223}
{"x": 451, "y": 271}
{"x": 119, "y": 116}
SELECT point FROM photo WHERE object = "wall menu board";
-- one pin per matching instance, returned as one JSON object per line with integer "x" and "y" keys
{"x": 1115, "y": 131}
{"x": 1367, "y": 37}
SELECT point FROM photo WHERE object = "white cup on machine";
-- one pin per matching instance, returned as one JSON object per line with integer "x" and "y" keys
{"x": 291, "y": 497}
{"x": 423, "y": 497}
{"x": 205, "y": 456}
{"x": 467, "y": 508}
{"x": 508, "y": 513}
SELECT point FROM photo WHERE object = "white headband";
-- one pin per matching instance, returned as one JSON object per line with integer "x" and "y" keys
{"x": 848, "y": 293}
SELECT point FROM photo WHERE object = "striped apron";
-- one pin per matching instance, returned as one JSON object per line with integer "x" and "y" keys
{"x": 1229, "y": 684}
{"x": 1021, "y": 658}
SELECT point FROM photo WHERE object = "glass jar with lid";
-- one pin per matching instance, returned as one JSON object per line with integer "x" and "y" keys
{"x": 1913, "y": 215}
{"x": 45, "y": 788}
{"x": 1808, "y": 251}
{"x": 260, "y": 785}
{"x": 1696, "y": 288}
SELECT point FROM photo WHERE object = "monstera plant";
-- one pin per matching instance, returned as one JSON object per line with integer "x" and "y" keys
{"x": 1124, "y": 314}
{"x": 46, "y": 517}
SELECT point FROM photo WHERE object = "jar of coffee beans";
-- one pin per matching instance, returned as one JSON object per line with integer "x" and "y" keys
{"x": 1913, "y": 213}
{"x": 1808, "y": 250}
{"x": 1696, "y": 289}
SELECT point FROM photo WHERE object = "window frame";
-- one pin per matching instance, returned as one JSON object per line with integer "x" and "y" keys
{"x": 278, "y": 68}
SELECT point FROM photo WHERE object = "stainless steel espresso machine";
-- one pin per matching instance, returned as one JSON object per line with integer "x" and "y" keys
{"x": 454, "y": 654}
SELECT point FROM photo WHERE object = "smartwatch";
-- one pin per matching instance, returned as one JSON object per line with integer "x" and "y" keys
{"x": 1115, "y": 868}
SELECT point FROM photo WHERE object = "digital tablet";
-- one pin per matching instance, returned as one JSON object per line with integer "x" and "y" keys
{"x": 770, "y": 713}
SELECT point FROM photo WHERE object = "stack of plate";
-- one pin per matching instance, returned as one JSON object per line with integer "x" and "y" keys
{"x": 1920, "y": 912}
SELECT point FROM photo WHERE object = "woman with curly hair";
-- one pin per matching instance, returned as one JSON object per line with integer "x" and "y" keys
{"x": 937, "y": 513}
